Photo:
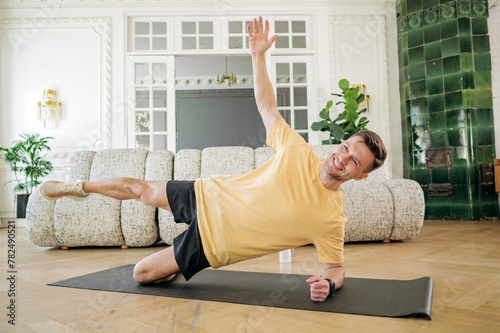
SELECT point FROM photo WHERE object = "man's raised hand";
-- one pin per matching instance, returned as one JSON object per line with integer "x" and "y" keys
{"x": 259, "y": 42}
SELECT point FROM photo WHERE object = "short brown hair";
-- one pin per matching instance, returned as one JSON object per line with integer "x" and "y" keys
{"x": 376, "y": 146}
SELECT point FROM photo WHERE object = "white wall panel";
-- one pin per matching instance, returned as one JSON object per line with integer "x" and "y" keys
{"x": 358, "y": 52}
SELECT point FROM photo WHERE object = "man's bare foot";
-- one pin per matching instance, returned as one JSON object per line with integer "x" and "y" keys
{"x": 53, "y": 190}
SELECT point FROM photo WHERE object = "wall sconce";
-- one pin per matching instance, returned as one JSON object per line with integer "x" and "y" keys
{"x": 365, "y": 103}
{"x": 49, "y": 110}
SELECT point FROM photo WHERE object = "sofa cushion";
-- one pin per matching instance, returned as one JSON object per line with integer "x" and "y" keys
{"x": 97, "y": 220}
{"x": 227, "y": 161}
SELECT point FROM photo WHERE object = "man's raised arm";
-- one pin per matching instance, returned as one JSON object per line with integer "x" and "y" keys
{"x": 263, "y": 89}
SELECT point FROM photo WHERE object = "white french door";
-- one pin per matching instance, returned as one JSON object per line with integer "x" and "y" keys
{"x": 151, "y": 102}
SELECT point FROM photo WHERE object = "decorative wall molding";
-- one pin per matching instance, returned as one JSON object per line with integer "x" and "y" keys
{"x": 219, "y": 5}
{"x": 102, "y": 27}
{"x": 339, "y": 24}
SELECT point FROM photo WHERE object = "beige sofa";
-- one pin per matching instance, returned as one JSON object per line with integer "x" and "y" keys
{"x": 377, "y": 208}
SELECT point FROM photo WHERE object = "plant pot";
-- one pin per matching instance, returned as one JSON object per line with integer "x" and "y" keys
{"x": 22, "y": 202}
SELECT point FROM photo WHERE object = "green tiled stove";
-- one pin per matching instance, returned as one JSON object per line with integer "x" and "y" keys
{"x": 447, "y": 106}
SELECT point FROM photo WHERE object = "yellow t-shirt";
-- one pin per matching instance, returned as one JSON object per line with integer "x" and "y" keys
{"x": 280, "y": 205}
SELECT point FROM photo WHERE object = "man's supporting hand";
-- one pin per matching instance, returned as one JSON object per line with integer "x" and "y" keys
{"x": 259, "y": 42}
{"x": 320, "y": 288}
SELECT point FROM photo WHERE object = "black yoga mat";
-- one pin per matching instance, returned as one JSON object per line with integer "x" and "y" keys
{"x": 373, "y": 297}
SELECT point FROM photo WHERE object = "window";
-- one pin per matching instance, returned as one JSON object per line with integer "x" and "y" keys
{"x": 292, "y": 91}
{"x": 292, "y": 34}
{"x": 238, "y": 34}
{"x": 152, "y": 100}
{"x": 196, "y": 35}
{"x": 150, "y": 35}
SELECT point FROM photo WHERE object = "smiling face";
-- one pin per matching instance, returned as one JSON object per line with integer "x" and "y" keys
{"x": 349, "y": 160}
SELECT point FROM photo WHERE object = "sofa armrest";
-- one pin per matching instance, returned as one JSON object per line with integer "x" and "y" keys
{"x": 409, "y": 208}
{"x": 40, "y": 221}
{"x": 369, "y": 209}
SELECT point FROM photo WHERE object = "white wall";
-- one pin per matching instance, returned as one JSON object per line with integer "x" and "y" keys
{"x": 78, "y": 48}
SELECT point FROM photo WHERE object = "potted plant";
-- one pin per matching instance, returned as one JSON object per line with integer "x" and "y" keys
{"x": 347, "y": 122}
{"x": 27, "y": 159}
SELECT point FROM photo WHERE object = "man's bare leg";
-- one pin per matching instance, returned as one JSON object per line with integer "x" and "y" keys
{"x": 158, "y": 267}
{"x": 150, "y": 193}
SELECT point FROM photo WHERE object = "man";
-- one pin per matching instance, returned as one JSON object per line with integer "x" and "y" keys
{"x": 292, "y": 200}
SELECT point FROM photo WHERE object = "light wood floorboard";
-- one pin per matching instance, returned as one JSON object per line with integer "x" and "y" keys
{"x": 463, "y": 258}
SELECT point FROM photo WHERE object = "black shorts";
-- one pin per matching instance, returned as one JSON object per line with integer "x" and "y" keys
{"x": 188, "y": 249}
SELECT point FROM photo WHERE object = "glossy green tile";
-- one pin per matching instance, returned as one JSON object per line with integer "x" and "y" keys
{"x": 435, "y": 85}
{"x": 450, "y": 47}
{"x": 413, "y": 6}
{"x": 438, "y": 139}
{"x": 402, "y": 24}
{"x": 483, "y": 136}
{"x": 453, "y": 100}
{"x": 479, "y": 8}
{"x": 483, "y": 98}
{"x": 463, "y": 8}
{"x": 415, "y": 21}
{"x": 415, "y": 37}
{"x": 455, "y": 119}
{"x": 451, "y": 65}
{"x": 447, "y": 11}
{"x": 460, "y": 156}
{"x": 452, "y": 82}
{"x": 432, "y": 50}
{"x": 448, "y": 29}
{"x": 420, "y": 120}
{"x": 435, "y": 103}
{"x": 406, "y": 58}
{"x": 468, "y": 98}
{"x": 434, "y": 68}
{"x": 482, "y": 80}
{"x": 457, "y": 137}
{"x": 481, "y": 44}
{"x": 437, "y": 121}
{"x": 431, "y": 33}
{"x": 461, "y": 212}
{"x": 479, "y": 26}
{"x": 422, "y": 176}
{"x": 482, "y": 61}
{"x": 465, "y": 43}
{"x": 440, "y": 175}
{"x": 417, "y": 89}
{"x": 416, "y": 72}
{"x": 419, "y": 159}
{"x": 464, "y": 26}
{"x": 458, "y": 175}
{"x": 431, "y": 16}
{"x": 418, "y": 106}
{"x": 429, "y": 3}
{"x": 490, "y": 211}
{"x": 402, "y": 3}
{"x": 466, "y": 63}
{"x": 485, "y": 154}
{"x": 416, "y": 55}
{"x": 468, "y": 80}
{"x": 404, "y": 41}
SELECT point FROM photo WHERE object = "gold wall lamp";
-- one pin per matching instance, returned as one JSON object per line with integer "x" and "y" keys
{"x": 49, "y": 109}
{"x": 365, "y": 103}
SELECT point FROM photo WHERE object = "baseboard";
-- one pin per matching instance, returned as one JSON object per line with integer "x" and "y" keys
{"x": 4, "y": 222}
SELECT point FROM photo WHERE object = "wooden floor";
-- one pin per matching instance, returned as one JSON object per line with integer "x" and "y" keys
{"x": 463, "y": 258}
